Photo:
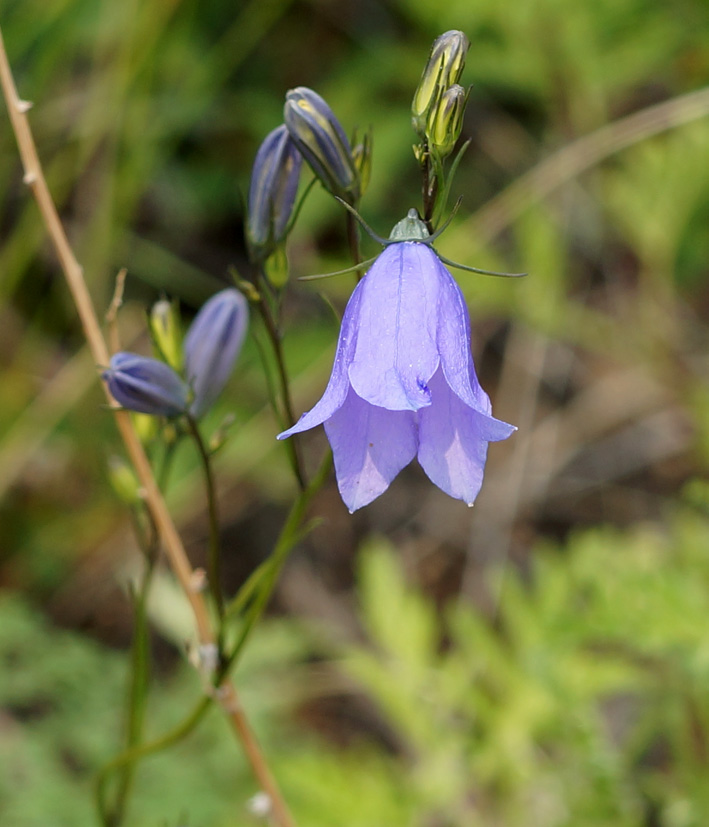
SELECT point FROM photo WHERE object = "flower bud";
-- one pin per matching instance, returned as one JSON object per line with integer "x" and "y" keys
{"x": 212, "y": 344}
{"x": 147, "y": 427}
{"x": 275, "y": 267}
{"x": 362, "y": 158}
{"x": 445, "y": 120}
{"x": 444, "y": 68}
{"x": 123, "y": 480}
{"x": 322, "y": 142}
{"x": 147, "y": 385}
{"x": 166, "y": 332}
{"x": 274, "y": 186}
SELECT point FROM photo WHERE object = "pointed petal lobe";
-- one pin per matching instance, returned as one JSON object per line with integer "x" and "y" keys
{"x": 339, "y": 384}
{"x": 453, "y": 441}
{"x": 454, "y": 344}
{"x": 370, "y": 445}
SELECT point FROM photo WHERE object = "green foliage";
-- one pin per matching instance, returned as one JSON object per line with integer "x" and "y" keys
{"x": 584, "y": 702}
{"x": 62, "y": 697}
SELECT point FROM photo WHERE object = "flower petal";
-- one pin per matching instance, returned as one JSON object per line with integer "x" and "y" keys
{"x": 454, "y": 344}
{"x": 453, "y": 440}
{"x": 339, "y": 384}
{"x": 396, "y": 351}
{"x": 370, "y": 445}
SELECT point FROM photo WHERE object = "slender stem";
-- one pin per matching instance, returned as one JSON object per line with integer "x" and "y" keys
{"x": 277, "y": 345}
{"x": 149, "y": 542}
{"x": 429, "y": 186}
{"x": 214, "y": 547}
{"x": 34, "y": 177}
{"x": 73, "y": 272}
{"x": 140, "y": 656}
{"x": 289, "y": 536}
{"x": 132, "y": 755}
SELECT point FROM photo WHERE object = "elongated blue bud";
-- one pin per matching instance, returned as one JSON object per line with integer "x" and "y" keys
{"x": 274, "y": 186}
{"x": 444, "y": 68}
{"x": 147, "y": 385}
{"x": 212, "y": 345}
{"x": 321, "y": 140}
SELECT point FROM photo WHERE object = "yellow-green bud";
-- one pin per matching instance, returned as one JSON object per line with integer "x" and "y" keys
{"x": 445, "y": 120}
{"x": 166, "y": 332}
{"x": 276, "y": 267}
{"x": 362, "y": 158}
{"x": 123, "y": 480}
{"x": 444, "y": 68}
{"x": 146, "y": 426}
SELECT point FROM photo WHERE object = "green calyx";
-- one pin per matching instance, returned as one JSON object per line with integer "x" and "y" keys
{"x": 411, "y": 228}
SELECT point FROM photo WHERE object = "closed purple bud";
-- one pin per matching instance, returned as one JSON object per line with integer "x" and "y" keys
{"x": 146, "y": 385}
{"x": 274, "y": 186}
{"x": 212, "y": 344}
{"x": 321, "y": 140}
{"x": 403, "y": 384}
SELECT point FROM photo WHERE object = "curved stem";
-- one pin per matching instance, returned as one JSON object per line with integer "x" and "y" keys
{"x": 284, "y": 385}
{"x": 214, "y": 547}
{"x": 137, "y": 693}
{"x": 149, "y": 542}
{"x": 73, "y": 273}
{"x": 291, "y": 534}
{"x": 134, "y": 754}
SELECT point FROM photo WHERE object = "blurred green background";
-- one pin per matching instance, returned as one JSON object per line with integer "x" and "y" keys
{"x": 541, "y": 659}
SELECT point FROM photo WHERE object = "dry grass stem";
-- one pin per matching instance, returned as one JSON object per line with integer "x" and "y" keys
{"x": 177, "y": 556}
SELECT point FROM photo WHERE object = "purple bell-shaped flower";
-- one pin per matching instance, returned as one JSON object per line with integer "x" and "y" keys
{"x": 403, "y": 384}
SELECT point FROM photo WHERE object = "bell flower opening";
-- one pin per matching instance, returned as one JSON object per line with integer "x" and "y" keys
{"x": 403, "y": 383}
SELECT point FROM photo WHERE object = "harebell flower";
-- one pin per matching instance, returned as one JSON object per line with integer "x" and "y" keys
{"x": 403, "y": 384}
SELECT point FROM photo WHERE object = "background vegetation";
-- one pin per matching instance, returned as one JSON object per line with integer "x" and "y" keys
{"x": 540, "y": 659}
